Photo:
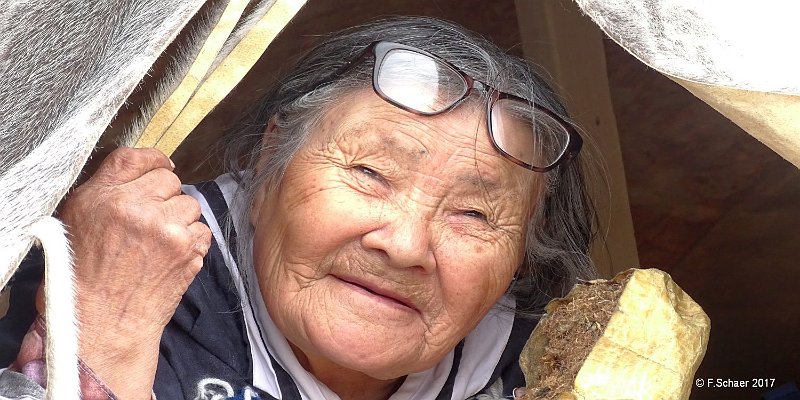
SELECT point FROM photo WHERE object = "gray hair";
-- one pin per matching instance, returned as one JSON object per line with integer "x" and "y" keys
{"x": 561, "y": 228}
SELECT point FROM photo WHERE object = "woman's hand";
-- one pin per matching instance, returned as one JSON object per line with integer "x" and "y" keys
{"x": 138, "y": 245}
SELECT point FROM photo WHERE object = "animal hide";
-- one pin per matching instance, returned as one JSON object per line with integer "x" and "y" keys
{"x": 66, "y": 68}
{"x": 739, "y": 57}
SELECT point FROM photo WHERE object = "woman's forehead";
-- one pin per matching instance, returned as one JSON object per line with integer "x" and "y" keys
{"x": 460, "y": 136}
{"x": 451, "y": 151}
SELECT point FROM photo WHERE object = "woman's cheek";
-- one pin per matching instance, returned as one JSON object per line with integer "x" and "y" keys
{"x": 473, "y": 273}
{"x": 328, "y": 218}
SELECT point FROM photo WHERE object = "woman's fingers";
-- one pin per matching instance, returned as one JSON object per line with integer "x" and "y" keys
{"x": 160, "y": 183}
{"x": 202, "y": 236}
{"x": 186, "y": 211}
{"x": 183, "y": 209}
{"x": 126, "y": 164}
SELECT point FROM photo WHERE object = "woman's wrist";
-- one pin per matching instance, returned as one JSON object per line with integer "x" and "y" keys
{"x": 120, "y": 346}
{"x": 124, "y": 364}
{"x": 32, "y": 363}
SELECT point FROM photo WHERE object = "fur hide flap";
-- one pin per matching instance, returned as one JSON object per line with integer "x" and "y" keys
{"x": 66, "y": 67}
{"x": 736, "y": 44}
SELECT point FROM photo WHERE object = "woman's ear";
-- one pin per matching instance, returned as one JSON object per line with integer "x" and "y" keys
{"x": 272, "y": 126}
{"x": 258, "y": 200}
{"x": 257, "y": 204}
{"x": 268, "y": 137}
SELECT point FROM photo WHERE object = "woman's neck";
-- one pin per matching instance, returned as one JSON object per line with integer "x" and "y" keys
{"x": 346, "y": 383}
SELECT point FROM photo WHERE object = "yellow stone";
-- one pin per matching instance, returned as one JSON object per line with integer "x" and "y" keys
{"x": 650, "y": 349}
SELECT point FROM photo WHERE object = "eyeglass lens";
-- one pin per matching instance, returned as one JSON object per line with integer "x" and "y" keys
{"x": 527, "y": 134}
{"x": 428, "y": 86}
{"x": 419, "y": 82}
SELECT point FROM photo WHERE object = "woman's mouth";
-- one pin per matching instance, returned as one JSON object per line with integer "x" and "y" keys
{"x": 378, "y": 292}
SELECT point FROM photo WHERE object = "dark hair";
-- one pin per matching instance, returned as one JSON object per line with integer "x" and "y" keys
{"x": 560, "y": 230}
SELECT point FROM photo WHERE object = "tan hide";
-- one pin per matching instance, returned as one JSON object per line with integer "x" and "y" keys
{"x": 739, "y": 57}
{"x": 772, "y": 118}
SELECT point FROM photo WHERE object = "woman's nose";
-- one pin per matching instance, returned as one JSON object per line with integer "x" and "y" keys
{"x": 405, "y": 241}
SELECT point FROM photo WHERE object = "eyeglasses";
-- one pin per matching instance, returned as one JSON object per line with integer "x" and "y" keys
{"x": 421, "y": 83}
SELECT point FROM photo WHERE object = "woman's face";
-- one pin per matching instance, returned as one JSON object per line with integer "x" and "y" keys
{"x": 390, "y": 235}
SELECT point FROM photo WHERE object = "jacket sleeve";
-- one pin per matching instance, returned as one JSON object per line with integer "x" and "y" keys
{"x": 31, "y": 364}
{"x": 22, "y": 305}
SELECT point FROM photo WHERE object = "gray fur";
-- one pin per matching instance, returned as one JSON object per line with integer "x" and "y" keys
{"x": 62, "y": 326}
{"x": 188, "y": 47}
{"x": 65, "y": 69}
{"x": 739, "y": 44}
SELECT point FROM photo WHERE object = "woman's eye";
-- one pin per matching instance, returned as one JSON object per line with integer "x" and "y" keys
{"x": 475, "y": 214}
{"x": 367, "y": 171}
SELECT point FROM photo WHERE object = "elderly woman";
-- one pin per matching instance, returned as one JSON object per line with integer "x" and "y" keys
{"x": 400, "y": 206}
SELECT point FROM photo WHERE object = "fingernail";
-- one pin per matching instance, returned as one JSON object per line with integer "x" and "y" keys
{"x": 519, "y": 392}
{"x": 171, "y": 163}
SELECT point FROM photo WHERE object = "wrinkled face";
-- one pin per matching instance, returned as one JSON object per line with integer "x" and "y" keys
{"x": 390, "y": 236}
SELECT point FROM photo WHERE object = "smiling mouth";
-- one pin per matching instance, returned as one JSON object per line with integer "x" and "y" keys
{"x": 379, "y": 292}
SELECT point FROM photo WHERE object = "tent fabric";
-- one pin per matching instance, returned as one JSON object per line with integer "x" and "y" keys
{"x": 739, "y": 57}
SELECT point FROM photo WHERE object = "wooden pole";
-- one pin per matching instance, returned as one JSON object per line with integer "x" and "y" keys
{"x": 569, "y": 46}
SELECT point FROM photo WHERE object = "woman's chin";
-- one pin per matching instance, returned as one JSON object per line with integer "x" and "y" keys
{"x": 351, "y": 326}
{"x": 380, "y": 352}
